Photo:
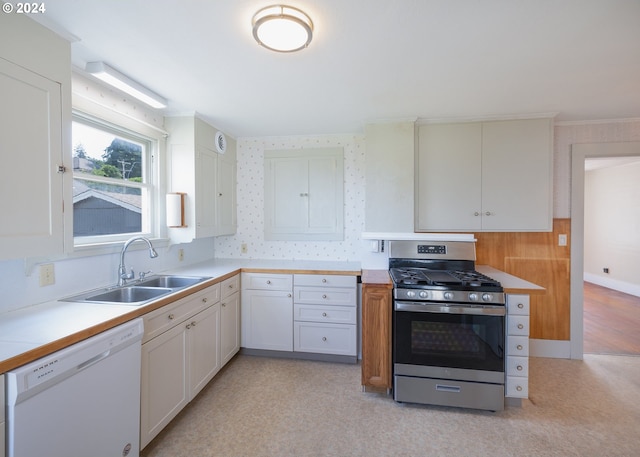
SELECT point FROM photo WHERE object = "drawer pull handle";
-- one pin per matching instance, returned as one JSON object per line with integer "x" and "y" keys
{"x": 171, "y": 317}
{"x": 520, "y": 326}
{"x": 204, "y": 300}
{"x": 268, "y": 281}
{"x": 519, "y": 347}
{"x": 519, "y": 368}
{"x": 324, "y": 280}
{"x": 289, "y": 295}
{"x": 188, "y": 326}
{"x": 230, "y": 286}
{"x": 446, "y": 388}
{"x": 193, "y": 324}
{"x": 224, "y": 305}
{"x": 324, "y": 314}
{"x": 324, "y": 338}
{"x": 520, "y": 305}
{"x": 324, "y": 295}
{"x": 519, "y": 388}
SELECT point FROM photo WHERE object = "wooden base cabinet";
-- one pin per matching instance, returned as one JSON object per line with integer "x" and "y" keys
{"x": 376, "y": 334}
{"x": 180, "y": 355}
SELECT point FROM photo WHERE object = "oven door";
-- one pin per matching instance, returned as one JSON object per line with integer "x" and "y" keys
{"x": 449, "y": 341}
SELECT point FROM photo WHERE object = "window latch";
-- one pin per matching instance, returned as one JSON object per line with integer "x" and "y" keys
{"x": 62, "y": 169}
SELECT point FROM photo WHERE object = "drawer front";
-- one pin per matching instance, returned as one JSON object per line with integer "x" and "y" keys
{"x": 337, "y": 339}
{"x": 325, "y": 280}
{"x": 161, "y": 320}
{"x": 517, "y": 366}
{"x": 262, "y": 281}
{"x": 517, "y": 387}
{"x": 229, "y": 286}
{"x": 332, "y": 314}
{"x": 518, "y": 304}
{"x": 518, "y": 325}
{"x": 325, "y": 296}
{"x": 518, "y": 345}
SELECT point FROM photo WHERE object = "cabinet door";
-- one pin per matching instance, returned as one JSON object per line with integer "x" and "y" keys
{"x": 516, "y": 175}
{"x": 206, "y": 163}
{"x": 229, "y": 327}
{"x": 31, "y": 145}
{"x": 286, "y": 193}
{"x": 163, "y": 381}
{"x": 203, "y": 331}
{"x": 376, "y": 336}
{"x": 449, "y": 177}
{"x": 226, "y": 196}
{"x": 267, "y": 320}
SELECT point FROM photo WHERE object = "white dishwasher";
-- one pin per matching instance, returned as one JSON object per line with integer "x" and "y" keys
{"x": 82, "y": 401}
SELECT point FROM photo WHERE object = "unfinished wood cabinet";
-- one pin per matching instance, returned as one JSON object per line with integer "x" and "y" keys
{"x": 376, "y": 329}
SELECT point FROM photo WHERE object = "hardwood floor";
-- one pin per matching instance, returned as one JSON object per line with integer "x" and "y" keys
{"x": 611, "y": 321}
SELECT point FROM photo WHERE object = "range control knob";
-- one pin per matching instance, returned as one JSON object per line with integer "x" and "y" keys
{"x": 411, "y": 294}
{"x": 487, "y": 297}
{"x": 424, "y": 294}
{"x": 448, "y": 295}
{"x": 473, "y": 296}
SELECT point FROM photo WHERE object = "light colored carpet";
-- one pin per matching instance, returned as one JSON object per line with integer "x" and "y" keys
{"x": 276, "y": 407}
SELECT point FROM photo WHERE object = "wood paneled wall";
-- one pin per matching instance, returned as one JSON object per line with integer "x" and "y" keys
{"x": 536, "y": 257}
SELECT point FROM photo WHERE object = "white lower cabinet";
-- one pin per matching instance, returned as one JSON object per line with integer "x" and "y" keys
{"x": 229, "y": 318}
{"x": 180, "y": 355}
{"x": 267, "y": 311}
{"x": 325, "y": 314}
{"x": 2, "y": 421}
{"x": 517, "y": 364}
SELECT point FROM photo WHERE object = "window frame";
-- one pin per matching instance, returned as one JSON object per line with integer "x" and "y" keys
{"x": 151, "y": 140}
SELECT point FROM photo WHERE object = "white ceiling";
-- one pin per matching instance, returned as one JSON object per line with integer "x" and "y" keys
{"x": 370, "y": 60}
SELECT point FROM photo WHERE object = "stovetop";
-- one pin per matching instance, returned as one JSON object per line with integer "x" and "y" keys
{"x": 424, "y": 278}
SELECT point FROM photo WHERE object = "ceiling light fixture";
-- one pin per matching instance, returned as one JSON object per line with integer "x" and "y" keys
{"x": 116, "y": 79}
{"x": 282, "y": 28}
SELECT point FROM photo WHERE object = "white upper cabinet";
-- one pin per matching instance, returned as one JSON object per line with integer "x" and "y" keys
{"x": 207, "y": 177}
{"x": 304, "y": 194}
{"x": 491, "y": 176}
{"x": 35, "y": 138}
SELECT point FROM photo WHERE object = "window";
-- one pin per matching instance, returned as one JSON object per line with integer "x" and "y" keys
{"x": 112, "y": 185}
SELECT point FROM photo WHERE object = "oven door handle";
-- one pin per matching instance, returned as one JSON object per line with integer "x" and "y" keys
{"x": 420, "y": 307}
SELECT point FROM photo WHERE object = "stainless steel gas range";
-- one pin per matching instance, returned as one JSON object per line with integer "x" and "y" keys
{"x": 448, "y": 326}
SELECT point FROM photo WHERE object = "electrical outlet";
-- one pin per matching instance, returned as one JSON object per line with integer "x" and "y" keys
{"x": 243, "y": 248}
{"x": 180, "y": 254}
{"x": 47, "y": 275}
{"x": 605, "y": 270}
{"x": 562, "y": 240}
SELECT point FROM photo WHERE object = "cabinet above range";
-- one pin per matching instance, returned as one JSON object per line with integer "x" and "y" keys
{"x": 484, "y": 176}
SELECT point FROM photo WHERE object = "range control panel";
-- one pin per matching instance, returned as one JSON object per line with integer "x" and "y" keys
{"x": 432, "y": 249}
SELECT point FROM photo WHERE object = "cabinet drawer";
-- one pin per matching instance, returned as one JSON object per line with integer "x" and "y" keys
{"x": 262, "y": 281}
{"x": 518, "y": 325}
{"x": 324, "y": 338}
{"x": 517, "y": 345}
{"x": 325, "y": 296}
{"x": 229, "y": 286}
{"x": 517, "y": 387}
{"x": 325, "y": 280}
{"x": 517, "y": 366}
{"x": 162, "y": 319}
{"x": 518, "y": 304}
{"x": 332, "y": 314}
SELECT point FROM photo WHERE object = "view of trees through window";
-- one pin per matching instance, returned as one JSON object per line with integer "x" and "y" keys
{"x": 109, "y": 183}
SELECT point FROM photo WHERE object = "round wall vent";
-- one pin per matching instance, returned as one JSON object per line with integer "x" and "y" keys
{"x": 221, "y": 142}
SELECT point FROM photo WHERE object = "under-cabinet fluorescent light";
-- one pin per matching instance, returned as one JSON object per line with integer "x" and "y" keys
{"x": 116, "y": 79}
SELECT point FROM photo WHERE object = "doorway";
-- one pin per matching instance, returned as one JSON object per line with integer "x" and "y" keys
{"x": 579, "y": 154}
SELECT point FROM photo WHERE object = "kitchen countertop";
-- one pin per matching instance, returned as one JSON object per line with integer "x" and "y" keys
{"x": 511, "y": 284}
{"x": 36, "y": 331}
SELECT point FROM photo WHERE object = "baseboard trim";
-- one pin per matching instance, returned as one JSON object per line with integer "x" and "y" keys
{"x": 300, "y": 355}
{"x": 555, "y": 349}
{"x": 615, "y": 284}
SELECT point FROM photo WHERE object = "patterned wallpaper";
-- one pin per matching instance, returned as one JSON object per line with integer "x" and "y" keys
{"x": 251, "y": 203}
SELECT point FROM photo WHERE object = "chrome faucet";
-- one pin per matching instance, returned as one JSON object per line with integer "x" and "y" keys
{"x": 123, "y": 276}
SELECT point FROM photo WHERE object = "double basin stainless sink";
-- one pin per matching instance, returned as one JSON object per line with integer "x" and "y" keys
{"x": 140, "y": 292}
